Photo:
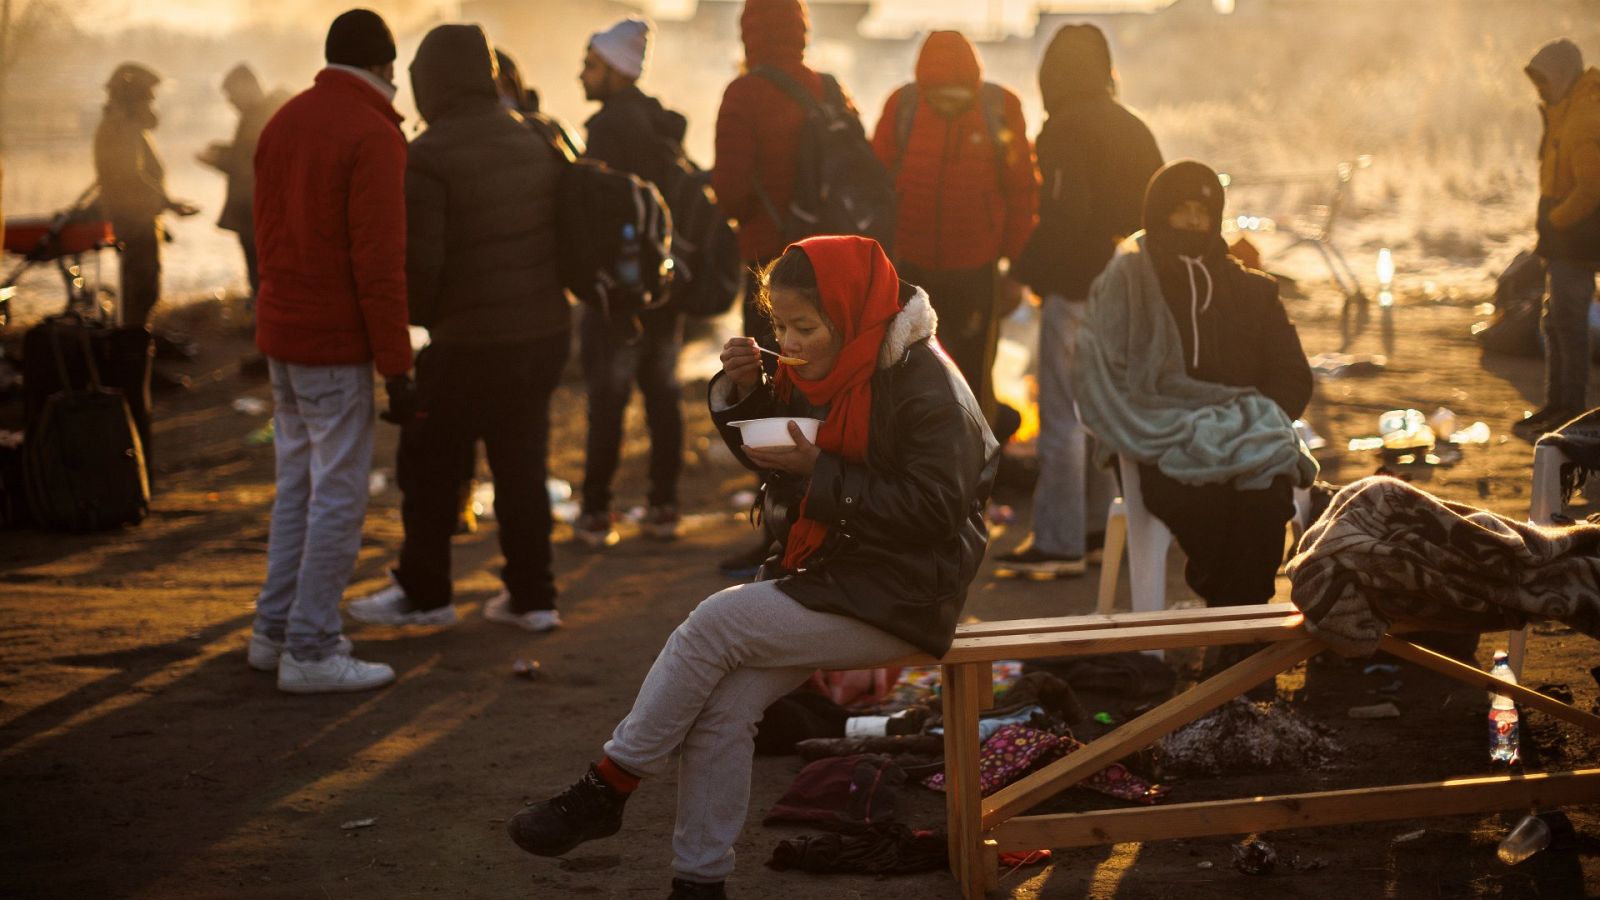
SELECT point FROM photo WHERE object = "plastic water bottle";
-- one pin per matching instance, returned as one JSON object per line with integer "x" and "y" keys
{"x": 1504, "y": 745}
{"x": 629, "y": 270}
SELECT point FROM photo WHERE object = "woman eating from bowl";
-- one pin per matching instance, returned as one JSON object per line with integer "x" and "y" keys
{"x": 879, "y": 527}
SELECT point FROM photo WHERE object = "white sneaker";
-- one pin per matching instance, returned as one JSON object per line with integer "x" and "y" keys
{"x": 498, "y": 609}
{"x": 263, "y": 652}
{"x": 336, "y": 673}
{"x": 390, "y": 607}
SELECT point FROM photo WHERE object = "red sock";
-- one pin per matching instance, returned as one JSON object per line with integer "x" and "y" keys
{"x": 621, "y": 780}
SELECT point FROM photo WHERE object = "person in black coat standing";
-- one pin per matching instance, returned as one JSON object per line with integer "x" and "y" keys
{"x": 1095, "y": 157}
{"x": 631, "y": 133}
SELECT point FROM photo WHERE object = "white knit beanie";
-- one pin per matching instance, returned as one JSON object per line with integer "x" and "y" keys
{"x": 624, "y": 45}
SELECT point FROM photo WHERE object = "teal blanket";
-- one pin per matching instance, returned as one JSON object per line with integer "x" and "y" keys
{"x": 1134, "y": 394}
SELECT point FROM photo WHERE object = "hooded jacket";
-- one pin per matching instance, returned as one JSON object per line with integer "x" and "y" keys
{"x": 330, "y": 222}
{"x": 959, "y": 206}
{"x": 1569, "y": 159}
{"x": 132, "y": 180}
{"x": 758, "y": 125}
{"x": 480, "y": 201}
{"x": 633, "y": 133}
{"x": 237, "y": 162}
{"x": 1231, "y": 324}
{"x": 1095, "y": 158}
{"x": 908, "y": 531}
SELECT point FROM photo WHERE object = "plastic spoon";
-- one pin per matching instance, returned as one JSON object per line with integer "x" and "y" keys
{"x": 786, "y": 360}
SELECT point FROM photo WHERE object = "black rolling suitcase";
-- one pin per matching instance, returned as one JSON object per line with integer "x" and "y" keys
{"x": 83, "y": 464}
{"x": 121, "y": 357}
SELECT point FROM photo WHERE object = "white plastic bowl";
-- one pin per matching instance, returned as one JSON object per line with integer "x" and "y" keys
{"x": 774, "y": 432}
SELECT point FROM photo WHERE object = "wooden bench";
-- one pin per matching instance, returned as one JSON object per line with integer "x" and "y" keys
{"x": 982, "y": 827}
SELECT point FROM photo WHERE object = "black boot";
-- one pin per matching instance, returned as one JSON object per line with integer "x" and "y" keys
{"x": 589, "y": 809}
{"x": 696, "y": 890}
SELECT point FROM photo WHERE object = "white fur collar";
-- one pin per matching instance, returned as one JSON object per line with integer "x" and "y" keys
{"x": 917, "y": 321}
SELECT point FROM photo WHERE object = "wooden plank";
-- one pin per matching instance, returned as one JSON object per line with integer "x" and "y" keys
{"x": 1186, "y": 616}
{"x": 1143, "y": 731}
{"x": 962, "y": 799}
{"x": 1243, "y": 816}
{"x": 977, "y": 639}
{"x": 1117, "y": 640}
{"x": 1460, "y": 671}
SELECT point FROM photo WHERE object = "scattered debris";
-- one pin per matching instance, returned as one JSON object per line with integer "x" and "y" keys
{"x": 376, "y": 482}
{"x": 359, "y": 823}
{"x": 1375, "y": 711}
{"x": 1329, "y": 366}
{"x": 1306, "y": 433}
{"x": 1104, "y": 718}
{"x": 527, "y": 668}
{"x": 1381, "y": 668}
{"x": 1255, "y": 857}
{"x": 1307, "y": 865}
{"x": 1205, "y": 864}
{"x": 1408, "y": 837}
{"x": 1241, "y": 736}
{"x": 1392, "y": 687}
{"x": 250, "y": 406}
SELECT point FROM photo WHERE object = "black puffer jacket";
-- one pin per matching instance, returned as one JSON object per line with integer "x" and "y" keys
{"x": 633, "y": 133}
{"x": 908, "y": 530}
{"x": 1095, "y": 158}
{"x": 480, "y": 204}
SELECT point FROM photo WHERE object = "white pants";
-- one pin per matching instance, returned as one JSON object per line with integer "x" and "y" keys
{"x": 738, "y": 651}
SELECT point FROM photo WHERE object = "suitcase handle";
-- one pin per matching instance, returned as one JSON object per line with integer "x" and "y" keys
{"x": 88, "y": 360}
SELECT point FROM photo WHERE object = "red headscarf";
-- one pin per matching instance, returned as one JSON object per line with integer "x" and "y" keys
{"x": 860, "y": 294}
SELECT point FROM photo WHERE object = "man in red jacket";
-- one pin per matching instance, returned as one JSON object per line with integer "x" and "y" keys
{"x": 758, "y": 134}
{"x": 968, "y": 195}
{"x": 330, "y": 220}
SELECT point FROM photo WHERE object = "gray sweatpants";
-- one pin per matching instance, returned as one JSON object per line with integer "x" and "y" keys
{"x": 738, "y": 651}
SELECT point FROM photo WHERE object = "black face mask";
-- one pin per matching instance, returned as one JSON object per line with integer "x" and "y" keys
{"x": 1191, "y": 243}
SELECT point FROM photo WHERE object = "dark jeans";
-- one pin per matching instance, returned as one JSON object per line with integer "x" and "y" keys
{"x": 140, "y": 262}
{"x": 1234, "y": 538}
{"x": 501, "y": 394}
{"x": 968, "y": 331}
{"x": 1565, "y": 325}
{"x": 610, "y": 370}
{"x": 247, "y": 242}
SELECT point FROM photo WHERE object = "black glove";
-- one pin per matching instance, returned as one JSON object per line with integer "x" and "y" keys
{"x": 403, "y": 400}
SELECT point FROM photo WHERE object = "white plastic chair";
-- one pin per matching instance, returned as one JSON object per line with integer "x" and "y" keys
{"x": 1542, "y": 509}
{"x": 1148, "y": 541}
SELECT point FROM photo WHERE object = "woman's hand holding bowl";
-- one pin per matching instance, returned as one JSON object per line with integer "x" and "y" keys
{"x": 800, "y": 459}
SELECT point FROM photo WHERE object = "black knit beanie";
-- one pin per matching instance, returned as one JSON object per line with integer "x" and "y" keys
{"x": 1177, "y": 183}
{"x": 359, "y": 38}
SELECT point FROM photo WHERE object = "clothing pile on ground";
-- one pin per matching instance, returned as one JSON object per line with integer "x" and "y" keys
{"x": 857, "y": 758}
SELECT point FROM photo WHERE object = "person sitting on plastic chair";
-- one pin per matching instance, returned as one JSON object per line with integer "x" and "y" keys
{"x": 1191, "y": 368}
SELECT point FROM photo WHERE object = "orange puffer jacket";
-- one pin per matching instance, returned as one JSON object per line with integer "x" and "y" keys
{"x": 960, "y": 206}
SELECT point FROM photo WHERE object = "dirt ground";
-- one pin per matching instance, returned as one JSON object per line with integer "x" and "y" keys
{"x": 140, "y": 757}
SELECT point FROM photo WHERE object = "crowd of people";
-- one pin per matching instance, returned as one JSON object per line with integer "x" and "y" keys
{"x": 1157, "y": 348}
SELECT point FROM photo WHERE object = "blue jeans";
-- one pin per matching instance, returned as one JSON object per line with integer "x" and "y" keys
{"x": 1565, "y": 324}
{"x": 322, "y": 433}
{"x": 610, "y": 370}
{"x": 1072, "y": 495}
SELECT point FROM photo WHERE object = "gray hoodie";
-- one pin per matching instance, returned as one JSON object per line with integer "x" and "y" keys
{"x": 1558, "y": 64}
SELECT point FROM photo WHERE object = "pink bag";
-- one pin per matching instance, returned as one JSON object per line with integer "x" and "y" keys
{"x": 855, "y": 687}
{"x": 1016, "y": 750}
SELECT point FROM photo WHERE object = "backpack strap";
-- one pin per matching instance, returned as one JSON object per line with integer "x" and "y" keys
{"x": 905, "y": 116}
{"x": 787, "y": 83}
{"x": 992, "y": 98}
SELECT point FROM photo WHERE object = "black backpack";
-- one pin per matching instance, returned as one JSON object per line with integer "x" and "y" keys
{"x": 83, "y": 463}
{"x": 615, "y": 240}
{"x": 991, "y": 97}
{"x": 709, "y": 271}
{"x": 840, "y": 185}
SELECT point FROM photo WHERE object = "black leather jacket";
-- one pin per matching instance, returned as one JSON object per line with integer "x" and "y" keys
{"x": 908, "y": 529}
